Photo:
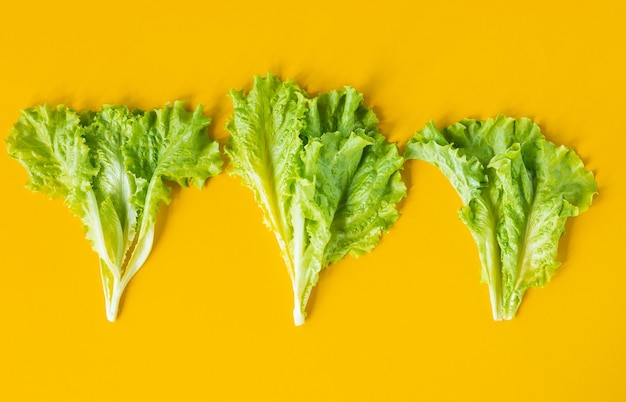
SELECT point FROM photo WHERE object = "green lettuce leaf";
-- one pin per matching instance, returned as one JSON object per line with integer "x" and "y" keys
{"x": 111, "y": 168}
{"x": 327, "y": 180}
{"x": 518, "y": 190}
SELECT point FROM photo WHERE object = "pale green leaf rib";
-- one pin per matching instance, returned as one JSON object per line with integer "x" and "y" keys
{"x": 112, "y": 185}
{"x": 264, "y": 149}
{"x": 114, "y": 188}
{"x": 481, "y": 219}
{"x": 516, "y": 196}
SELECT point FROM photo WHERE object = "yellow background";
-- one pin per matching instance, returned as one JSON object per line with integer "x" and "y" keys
{"x": 209, "y": 315}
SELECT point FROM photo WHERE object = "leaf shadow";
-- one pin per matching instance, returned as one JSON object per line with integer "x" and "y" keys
{"x": 81, "y": 101}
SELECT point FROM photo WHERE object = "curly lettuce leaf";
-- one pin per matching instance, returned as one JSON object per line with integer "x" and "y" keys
{"x": 50, "y": 145}
{"x": 326, "y": 179}
{"x": 518, "y": 190}
{"x": 110, "y": 167}
{"x": 263, "y": 149}
{"x": 165, "y": 145}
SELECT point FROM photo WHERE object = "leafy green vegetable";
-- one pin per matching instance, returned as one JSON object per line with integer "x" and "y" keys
{"x": 326, "y": 179}
{"x": 518, "y": 191}
{"x": 111, "y": 167}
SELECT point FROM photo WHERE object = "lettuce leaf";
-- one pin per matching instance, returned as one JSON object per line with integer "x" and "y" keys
{"x": 518, "y": 190}
{"x": 326, "y": 179}
{"x": 111, "y": 168}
